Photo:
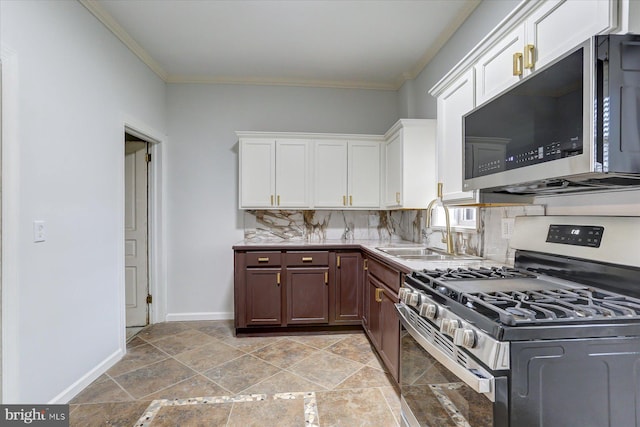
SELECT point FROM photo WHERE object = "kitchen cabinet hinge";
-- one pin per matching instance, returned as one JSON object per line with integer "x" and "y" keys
{"x": 149, "y": 299}
{"x": 147, "y": 158}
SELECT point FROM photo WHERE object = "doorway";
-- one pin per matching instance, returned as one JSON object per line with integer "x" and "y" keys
{"x": 137, "y": 296}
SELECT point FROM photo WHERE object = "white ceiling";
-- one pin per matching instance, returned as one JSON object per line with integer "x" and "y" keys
{"x": 337, "y": 43}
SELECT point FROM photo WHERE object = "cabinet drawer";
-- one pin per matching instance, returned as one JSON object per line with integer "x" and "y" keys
{"x": 263, "y": 259}
{"x": 385, "y": 274}
{"x": 307, "y": 258}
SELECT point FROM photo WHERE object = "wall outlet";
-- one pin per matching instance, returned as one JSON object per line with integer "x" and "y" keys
{"x": 39, "y": 231}
{"x": 507, "y": 227}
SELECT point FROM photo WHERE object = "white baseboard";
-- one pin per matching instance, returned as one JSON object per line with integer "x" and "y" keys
{"x": 75, "y": 388}
{"x": 179, "y": 317}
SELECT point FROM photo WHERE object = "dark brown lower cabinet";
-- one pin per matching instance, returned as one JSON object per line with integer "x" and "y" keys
{"x": 347, "y": 295}
{"x": 307, "y": 295}
{"x": 263, "y": 296}
{"x": 380, "y": 320}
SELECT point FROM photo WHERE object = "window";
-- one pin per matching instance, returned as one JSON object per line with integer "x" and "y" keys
{"x": 460, "y": 217}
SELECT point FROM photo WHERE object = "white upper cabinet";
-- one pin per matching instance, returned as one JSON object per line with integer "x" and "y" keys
{"x": 453, "y": 103}
{"x": 347, "y": 174}
{"x": 330, "y": 179}
{"x": 274, "y": 174}
{"x": 257, "y": 173}
{"x": 293, "y": 175}
{"x": 532, "y": 36}
{"x": 558, "y": 26}
{"x": 410, "y": 160}
{"x": 364, "y": 174}
{"x": 501, "y": 66}
{"x": 552, "y": 29}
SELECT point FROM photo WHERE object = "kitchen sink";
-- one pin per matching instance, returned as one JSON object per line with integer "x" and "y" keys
{"x": 424, "y": 254}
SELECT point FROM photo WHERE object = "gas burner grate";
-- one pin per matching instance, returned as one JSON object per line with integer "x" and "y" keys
{"x": 523, "y": 307}
{"x": 465, "y": 273}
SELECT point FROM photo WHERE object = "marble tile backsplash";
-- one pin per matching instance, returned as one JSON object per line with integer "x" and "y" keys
{"x": 385, "y": 226}
{"x": 310, "y": 225}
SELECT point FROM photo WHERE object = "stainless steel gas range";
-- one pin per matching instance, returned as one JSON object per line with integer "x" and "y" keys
{"x": 553, "y": 341}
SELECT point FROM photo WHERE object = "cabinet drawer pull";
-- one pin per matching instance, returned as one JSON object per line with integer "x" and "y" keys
{"x": 365, "y": 264}
{"x": 278, "y": 279}
{"x": 263, "y": 259}
{"x": 307, "y": 259}
{"x": 529, "y": 52}
{"x": 378, "y": 292}
{"x": 517, "y": 64}
{"x": 326, "y": 278}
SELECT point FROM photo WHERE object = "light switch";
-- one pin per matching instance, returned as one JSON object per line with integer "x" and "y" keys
{"x": 39, "y": 231}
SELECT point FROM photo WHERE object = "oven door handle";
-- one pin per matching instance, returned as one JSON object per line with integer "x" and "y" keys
{"x": 479, "y": 384}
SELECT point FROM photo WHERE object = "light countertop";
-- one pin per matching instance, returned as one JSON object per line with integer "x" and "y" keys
{"x": 370, "y": 247}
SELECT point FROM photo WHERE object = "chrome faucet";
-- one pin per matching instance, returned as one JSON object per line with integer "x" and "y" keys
{"x": 446, "y": 238}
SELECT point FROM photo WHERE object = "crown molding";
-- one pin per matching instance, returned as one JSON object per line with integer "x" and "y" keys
{"x": 339, "y": 84}
{"x": 107, "y": 20}
{"x": 442, "y": 39}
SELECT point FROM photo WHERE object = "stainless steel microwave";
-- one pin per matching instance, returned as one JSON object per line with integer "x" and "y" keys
{"x": 573, "y": 125}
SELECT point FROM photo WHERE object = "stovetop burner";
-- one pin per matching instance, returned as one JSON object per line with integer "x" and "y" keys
{"x": 514, "y": 297}
{"x": 475, "y": 273}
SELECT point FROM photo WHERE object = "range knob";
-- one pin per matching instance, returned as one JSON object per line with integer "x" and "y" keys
{"x": 449, "y": 326}
{"x": 413, "y": 299}
{"x": 401, "y": 293}
{"x": 464, "y": 337}
{"x": 429, "y": 310}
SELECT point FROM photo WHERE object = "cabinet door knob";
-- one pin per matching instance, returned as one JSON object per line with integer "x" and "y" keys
{"x": 517, "y": 64}
{"x": 529, "y": 52}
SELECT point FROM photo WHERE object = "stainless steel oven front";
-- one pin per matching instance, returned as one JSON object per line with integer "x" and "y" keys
{"x": 444, "y": 386}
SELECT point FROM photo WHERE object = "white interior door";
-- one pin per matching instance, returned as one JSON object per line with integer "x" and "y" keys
{"x": 136, "y": 251}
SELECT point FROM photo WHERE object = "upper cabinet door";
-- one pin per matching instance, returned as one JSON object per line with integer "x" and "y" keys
{"x": 257, "y": 173}
{"x": 330, "y": 169}
{"x": 558, "y": 26}
{"x": 364, "y": 174}
{"x": 502, "y": 65}
{"x": 453, "y": 103}
{"x": 293, "y": 174}
{"x": 393, "y": 190}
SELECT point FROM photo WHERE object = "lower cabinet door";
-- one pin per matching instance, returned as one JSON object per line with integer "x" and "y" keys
{"x": 372, "y": 303}
{"x": 348, "y": 288}
{"x": 307, "y": 295}
{"x": 263, "y": 297}
{"x": 390, "y": 331}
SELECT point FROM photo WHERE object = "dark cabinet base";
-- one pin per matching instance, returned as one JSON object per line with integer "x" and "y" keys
{"x": 258, "y": 331}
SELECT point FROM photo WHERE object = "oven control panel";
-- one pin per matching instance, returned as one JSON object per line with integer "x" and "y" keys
{"x": 577, "y": 235}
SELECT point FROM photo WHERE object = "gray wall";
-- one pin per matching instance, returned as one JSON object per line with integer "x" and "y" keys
{"x": 414, "y": 100}
{"x": 202, "y": 175}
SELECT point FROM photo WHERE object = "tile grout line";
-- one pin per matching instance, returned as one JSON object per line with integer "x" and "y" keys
{"x": 398, "y": 423}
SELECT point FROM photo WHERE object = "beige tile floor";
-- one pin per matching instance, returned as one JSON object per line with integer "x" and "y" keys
{"x": 200, "y": 374}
